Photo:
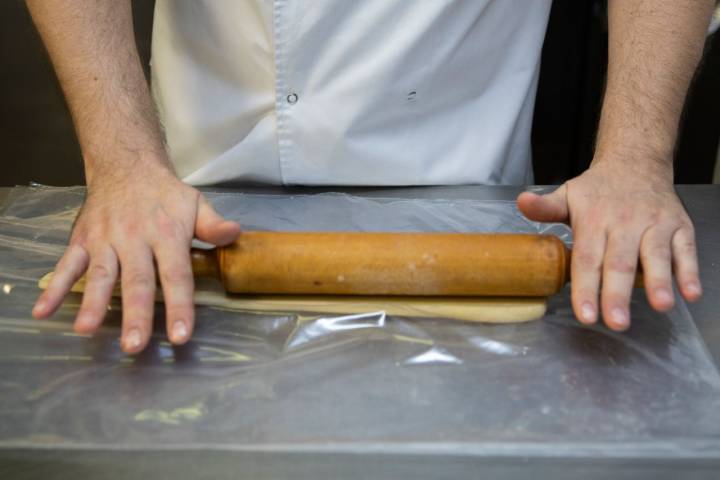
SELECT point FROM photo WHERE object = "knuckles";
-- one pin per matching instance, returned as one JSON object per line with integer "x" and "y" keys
{"x": 130, "y": 230}
{"x": 621, "y": 265}
{"x": 659, "y": 252}
{"x": 687, "y": 246}
{"x": 139, "y": 282}
{"x": 176, "y": 275}
{"x": 687, "y": 227}
{"x": 99, "y": 273}
{"x": 104, "y": 221}
{"x": 586, "y": 260}
{"x": 168, "y": 226}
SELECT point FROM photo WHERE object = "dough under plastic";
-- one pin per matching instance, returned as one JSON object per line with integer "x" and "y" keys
{"x": 471, "y": 309}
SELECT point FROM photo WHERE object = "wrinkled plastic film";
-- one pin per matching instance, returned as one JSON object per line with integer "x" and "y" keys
{"x": 251, "y": 380}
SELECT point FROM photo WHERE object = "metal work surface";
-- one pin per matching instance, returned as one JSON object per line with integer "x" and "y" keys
{"x": 702, "y": 203}
{"x": 290, "y": 396}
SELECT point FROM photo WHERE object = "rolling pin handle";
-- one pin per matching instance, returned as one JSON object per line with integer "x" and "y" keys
{"x": 567, "y": 260}
{"x": 205, "y": 263}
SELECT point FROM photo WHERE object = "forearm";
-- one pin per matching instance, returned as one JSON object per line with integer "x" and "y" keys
{"x": 92, "y": 47}
{"x": 654, "y": 48}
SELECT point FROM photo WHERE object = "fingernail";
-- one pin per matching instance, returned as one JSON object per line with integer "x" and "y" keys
{"x": 693, "y": 288}
{"x": 588, "y": 312}
{"x": 39, "y": 306}
{"x": 179, "y": 331}
{"x": 663, "y": 295}
{"x": 132, "y": 339}
{"x": 619, "y": 317}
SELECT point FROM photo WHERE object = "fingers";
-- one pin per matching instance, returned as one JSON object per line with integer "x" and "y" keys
{"x": 658, "y": 248}
{"x": 656, "y": 259}
{"x": 552, "y": 207}
{"x": 100, "y": 281}
{"x": 619, "y": 267}
{"x": 70, "y": 267}
{"x": 213, "y": 228}
{"x": 616, "y": 219}
{"x": 686, "y": 263}
{"x": 138, "y": 287}
{"x": 176, "y": 277}
{"x": 120, "y": 227}
{"x": 586, "y": 268}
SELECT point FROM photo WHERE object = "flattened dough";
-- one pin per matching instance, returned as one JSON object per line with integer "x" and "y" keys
{"x": 472, "y": 309}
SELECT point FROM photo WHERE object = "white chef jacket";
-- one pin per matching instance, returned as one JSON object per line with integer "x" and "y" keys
{"x": 348, "y": 92}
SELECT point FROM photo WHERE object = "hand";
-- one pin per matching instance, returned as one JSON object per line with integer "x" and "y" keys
{"x": 127, "y": 221}
{"x": 617, "y": 214}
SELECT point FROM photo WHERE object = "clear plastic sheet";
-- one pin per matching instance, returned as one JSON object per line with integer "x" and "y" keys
{"x": 356, "y": 383}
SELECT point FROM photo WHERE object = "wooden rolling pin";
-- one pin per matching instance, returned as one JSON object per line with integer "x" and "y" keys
{"x": 426, "y": 264}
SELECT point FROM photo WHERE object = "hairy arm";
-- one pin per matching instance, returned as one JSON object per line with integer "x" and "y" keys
{"x": 92, "y": 47}
{"x": 624, "y": 207}
{"x": 138, "y": 217}
{"x": 654, "y": 48}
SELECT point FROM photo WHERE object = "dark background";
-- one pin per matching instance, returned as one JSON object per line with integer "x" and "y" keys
{"x": 39, "y": 144}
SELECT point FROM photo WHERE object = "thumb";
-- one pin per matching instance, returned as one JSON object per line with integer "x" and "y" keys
{"x": 211, "y": 227}
{"x": 551, "y": 207}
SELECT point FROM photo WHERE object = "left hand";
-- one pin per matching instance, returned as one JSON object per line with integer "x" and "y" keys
{"x": 619, "y": 213}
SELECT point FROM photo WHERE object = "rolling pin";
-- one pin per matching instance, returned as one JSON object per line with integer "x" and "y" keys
{"x": 424, "y": 264}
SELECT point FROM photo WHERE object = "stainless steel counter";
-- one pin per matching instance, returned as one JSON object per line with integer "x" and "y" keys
{"x": 48, "y": 459}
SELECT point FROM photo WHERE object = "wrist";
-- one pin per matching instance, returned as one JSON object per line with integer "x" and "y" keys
{"x": 122, "y": 164}
{"x": 639, "y": 164}
{"x": 121, "y": 134}
{"x": 631, "y": 147}
{"x": 631, "y": 128}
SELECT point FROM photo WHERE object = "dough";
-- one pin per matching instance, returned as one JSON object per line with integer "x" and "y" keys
{"x": 473, "y": 309}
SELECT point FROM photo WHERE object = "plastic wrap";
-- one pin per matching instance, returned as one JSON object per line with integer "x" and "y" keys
{"x": 355, "y": 383}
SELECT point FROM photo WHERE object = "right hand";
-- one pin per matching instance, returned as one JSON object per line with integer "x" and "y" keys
{"x": 128, "y": 220}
